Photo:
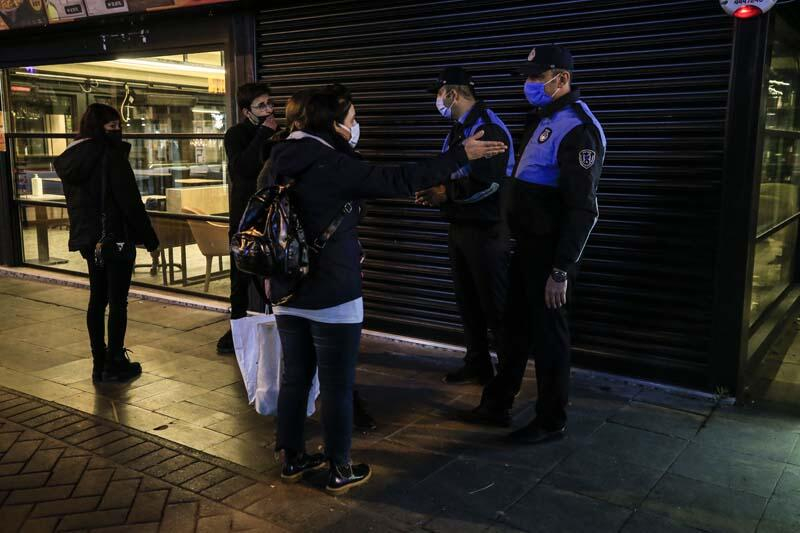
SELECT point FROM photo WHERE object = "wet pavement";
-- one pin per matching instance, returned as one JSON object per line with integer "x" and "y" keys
{"x": 179, "y": 449}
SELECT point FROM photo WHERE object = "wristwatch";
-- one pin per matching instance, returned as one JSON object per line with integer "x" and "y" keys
{"x": 558, "y": 275}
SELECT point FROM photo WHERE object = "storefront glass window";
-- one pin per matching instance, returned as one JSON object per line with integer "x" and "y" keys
{"x": 779, "y": 199}
{"x": 174, "y": 111}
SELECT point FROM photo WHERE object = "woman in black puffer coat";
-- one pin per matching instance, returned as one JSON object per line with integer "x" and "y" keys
{"x": 97, "y": 155}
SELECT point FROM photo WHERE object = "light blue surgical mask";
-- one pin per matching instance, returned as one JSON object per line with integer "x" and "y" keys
{"x": 445, "y": 111}
{"x": 535, "y": 93}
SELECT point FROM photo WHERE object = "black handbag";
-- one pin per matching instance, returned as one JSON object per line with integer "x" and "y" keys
{"x": 108, "y": 246}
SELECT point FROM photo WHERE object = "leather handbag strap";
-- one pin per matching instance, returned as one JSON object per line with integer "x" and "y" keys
{"x": 320, "y": 242}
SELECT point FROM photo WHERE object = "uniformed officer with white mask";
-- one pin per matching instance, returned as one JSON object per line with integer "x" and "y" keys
{"x": 551, "y": 209}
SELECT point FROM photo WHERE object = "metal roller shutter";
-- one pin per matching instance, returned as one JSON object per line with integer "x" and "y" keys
{"x": 655, "y": 74}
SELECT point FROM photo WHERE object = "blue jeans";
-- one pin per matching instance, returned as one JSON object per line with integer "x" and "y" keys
{"x": 333, "y": 348}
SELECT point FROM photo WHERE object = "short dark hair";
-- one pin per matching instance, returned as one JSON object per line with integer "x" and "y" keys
{"x": 463, "y": 90}
{"x": 250, "y": 91}
{"x": 296, "y": 107}
{"x": 321, "y": 112}
{"x": 344, "y": 100}
{"x": 93, "y": 120}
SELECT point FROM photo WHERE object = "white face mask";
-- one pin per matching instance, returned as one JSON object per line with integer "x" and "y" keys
{"x": 355, "y": 133}
{"x": 445, "y": 111}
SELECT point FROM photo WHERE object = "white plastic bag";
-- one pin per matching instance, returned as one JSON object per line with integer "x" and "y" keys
{"x": 258, "y": 352}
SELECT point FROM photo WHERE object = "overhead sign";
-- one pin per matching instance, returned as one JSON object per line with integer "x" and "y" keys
{"x": 16, "y": 14}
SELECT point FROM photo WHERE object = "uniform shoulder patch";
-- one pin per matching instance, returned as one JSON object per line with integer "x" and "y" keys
{"x": 586, "y": 158}
{"x": 545, "y": 135}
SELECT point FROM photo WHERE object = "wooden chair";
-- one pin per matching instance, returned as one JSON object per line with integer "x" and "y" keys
{"x": 211, "y": 238}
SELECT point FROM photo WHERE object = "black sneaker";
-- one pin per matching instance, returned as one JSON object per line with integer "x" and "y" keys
{"x": 119, "y": 368}
{"x": 225, "y": 344}
{"x": 344, "y": 477}
{"x": 487, "y": 416}
{"x": 293, "y": 469}
{"x": 534, "y": 433}
{"x": 470, "y": 374}
{"x": 361, "y": 418}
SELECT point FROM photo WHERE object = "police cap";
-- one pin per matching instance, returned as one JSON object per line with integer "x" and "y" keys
{"x": 544, "y": 58}
{"x": 453, "y": 76}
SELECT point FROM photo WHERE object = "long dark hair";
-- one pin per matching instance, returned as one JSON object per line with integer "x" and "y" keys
{"x": 93, "y": 120}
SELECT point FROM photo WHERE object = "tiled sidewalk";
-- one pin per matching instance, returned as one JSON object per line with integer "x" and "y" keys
{"x": 181, "y": 442}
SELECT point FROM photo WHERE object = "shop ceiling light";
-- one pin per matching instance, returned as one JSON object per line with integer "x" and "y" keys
{"x": 745, "y": 9}
{"x": 163, "y": 65}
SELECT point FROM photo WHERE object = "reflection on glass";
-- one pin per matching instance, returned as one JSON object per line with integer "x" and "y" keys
{"x": 780, "y": 181}
{"x": 188, "y": 260}
{"x": 773, "y": 269}
{"x": 167, "y": 94}
{"x": 779, "y": 198}
{"x": 172, "y": 174}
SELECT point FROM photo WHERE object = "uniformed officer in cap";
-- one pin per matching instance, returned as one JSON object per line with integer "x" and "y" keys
{"x": 551, "y": 210}
{"x": 478, "y": 239}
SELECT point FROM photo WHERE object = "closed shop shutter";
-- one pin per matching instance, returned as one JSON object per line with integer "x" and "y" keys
{"x": 655, "y": 74}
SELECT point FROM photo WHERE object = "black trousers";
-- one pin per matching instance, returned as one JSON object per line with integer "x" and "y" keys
{"x": 479, "y": 257}
{"x": 333, "y": 349}
{"x": 532, "y": 328}
{"x": 241, "y": 286}
{"x": 108, "y": 287}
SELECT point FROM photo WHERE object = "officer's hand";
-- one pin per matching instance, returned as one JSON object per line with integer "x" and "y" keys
{"x": 555, "y": 293}
{"x": 476, "y": 149}
{"x": 433, "y": 197}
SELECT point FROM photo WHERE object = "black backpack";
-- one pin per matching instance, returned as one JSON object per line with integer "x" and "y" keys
{"x": 271, "y": 242}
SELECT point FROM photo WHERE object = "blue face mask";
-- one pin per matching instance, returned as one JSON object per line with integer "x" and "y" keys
{"x": 535, "y": 93}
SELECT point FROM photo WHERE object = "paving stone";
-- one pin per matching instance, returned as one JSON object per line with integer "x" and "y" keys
{"x": 645, "y": 522}
{"x": 103, "y": 440}
{"x": 98, "y": 463}
{"x": 24, "y": 481}
{"x": 65, "y": 507}
{"x": 204, "y": 481}
{"x": 728, "y": 468}
{"x": 214, "y": 524}
{"x": 59, "y": 423}
{"x": 29, "y": 415}
{"x": 228, "y": 487}
{"x": 188, "y": 472}
{"x": 68, "y": 470}
{"x": 40, "y": 525}
{"x": 782, "y": 514}
{"x": 93, "y": 483}
{"x": 43, "y": 460}
{"x": 636, "y": 446}
{"x": 13, "y": 516}
{"x": 724, "y": 432}
{"x": 95, "y": 519}
{"x": 135, "y": 528}
{"x": 7, "y": 440}
{"x": 118, "y": 446}
{"x": 76, "y": 428}
{"x": 149, "y": 483}
{"x": 179, "y": 518}
{"x": 603, "y": 477}
{"x": 704, "y": 505}
{"x": 148, "y": 507}
{"x": 657, "y": 419}
{"x": 29, "y": 434}
{"x": 548, "y": 509}
{"x": 134, "y": 452}
{"x": 247, "y": 496}
{"x": 122, "y": 473}
{"x": 41, "y": 420}
{"x": 20, "y": 451}
{"x": 11, "y": 469}
{"x": 152, "y": 459}
{"x": 39, "y": 495}
{"x": 19, "y": 409}
{"x": 170, "y": 465}
{"x": 119, "y": 495}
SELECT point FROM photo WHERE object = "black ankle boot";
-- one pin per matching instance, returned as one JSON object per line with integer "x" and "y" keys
{"x": 344, "y": 477}
{"x": 98, "y": 362}
{"x": 297, "y": 464}
{"x": 361, "y": 418}
{"x": 119, "y": 368}
{"x": 225, "y": 344}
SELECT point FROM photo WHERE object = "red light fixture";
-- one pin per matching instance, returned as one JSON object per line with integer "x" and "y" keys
{"x": 746, "y": 12}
